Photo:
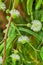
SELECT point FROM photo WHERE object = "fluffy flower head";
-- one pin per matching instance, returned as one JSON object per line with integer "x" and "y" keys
{"x": 14, "y": 13}
{"x": 2, "y": 6}
{"x": 36, "y": 25}
{"x": 23, "y": 39}
{"x": 15, "y": 56}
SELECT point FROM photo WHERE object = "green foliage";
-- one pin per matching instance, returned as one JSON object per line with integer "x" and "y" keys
{"x": 31, "y": 52}
{"x": 16, "y": 3}
{"x": 30, "y": 32}
{"x": 38, "y": 4}
{"x": 29, "y": 6}
{"x": 41, "y": 53}
{"x": 0, "y": 0}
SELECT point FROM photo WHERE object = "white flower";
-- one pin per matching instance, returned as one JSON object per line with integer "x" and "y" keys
{"x": 14, "y": 13}
{"x": 36, "y": 25}
{"x": 0, "y": 59}
{"x": 23, "y": 39}
{"x": 2, "y": 6}
{"x": 15, "y": 56}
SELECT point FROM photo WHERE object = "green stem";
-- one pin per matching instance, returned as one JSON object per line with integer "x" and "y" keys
{"x": 13, "y": 62}
{"x": 18, "y": 30}
{"x": 21, "y": 24}
{"x": 31, "y": 16}
{"x": 33, "y": 47}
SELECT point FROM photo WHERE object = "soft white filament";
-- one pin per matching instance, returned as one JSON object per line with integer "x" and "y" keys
{"x": 2, "y": 6}
{"x": 15, "y": 56}
{"x": 36, "y": 25}
{"x": 23, "y": 39}
{"x": 15, "y": 12}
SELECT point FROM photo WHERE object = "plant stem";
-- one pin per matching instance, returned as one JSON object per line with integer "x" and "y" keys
{"x": 5, "y": 38}
{"x": 21, "y": 24}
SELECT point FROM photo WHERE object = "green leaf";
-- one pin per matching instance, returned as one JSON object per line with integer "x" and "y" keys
{"x": 16, "y": 3}
{"x": 41, "y": 53}
{"x": 11, "y": 37}
{"x": 30, "y": 32}
{"x": 0, "y": 0}
{"x": 29, "y": 6}
{"x": 41, "y": 35}
{"x": 38, "y": 5}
